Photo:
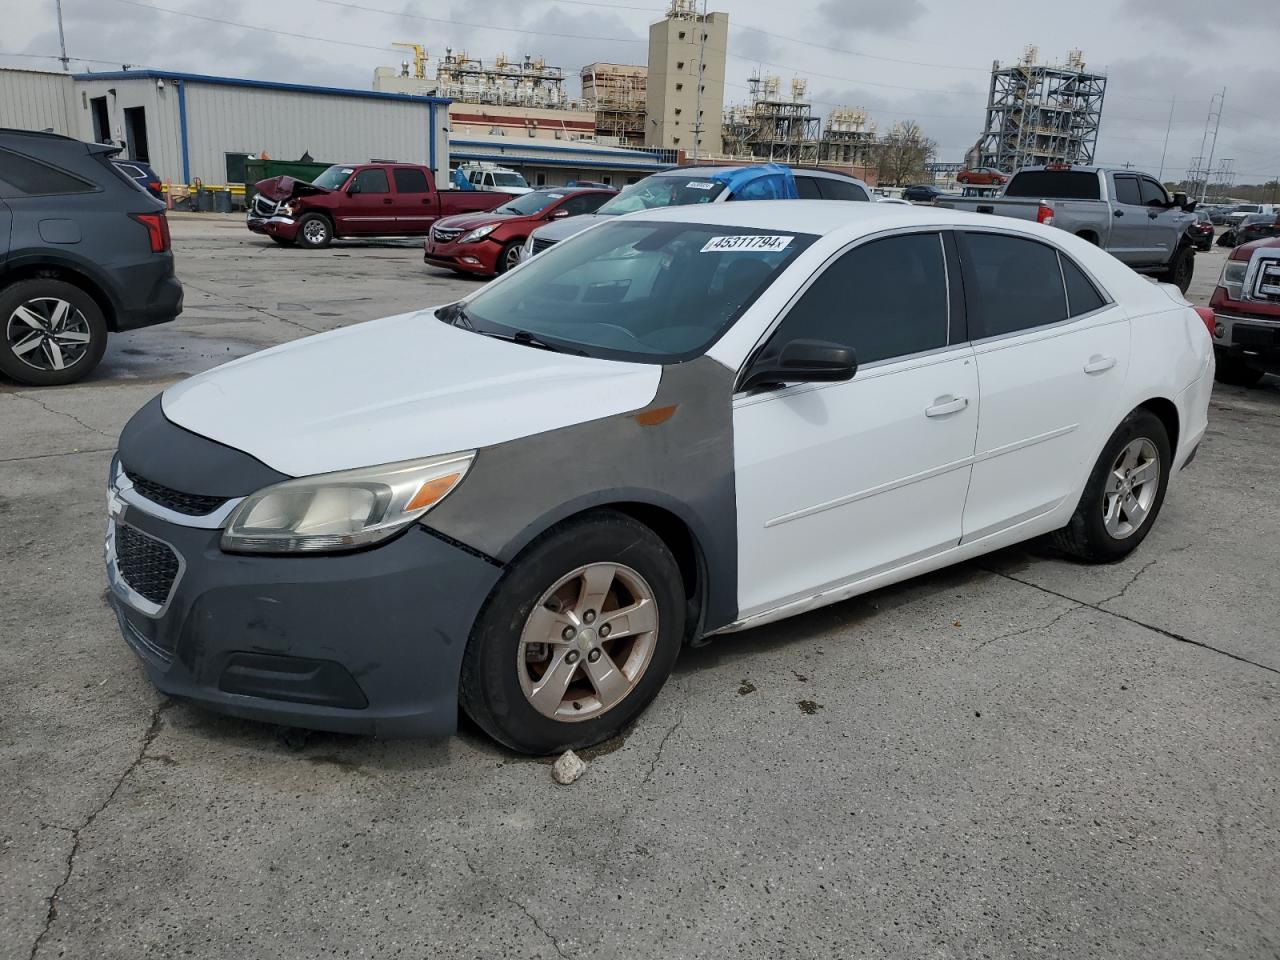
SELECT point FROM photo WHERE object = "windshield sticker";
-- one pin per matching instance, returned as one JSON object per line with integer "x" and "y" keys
{"x": 746, "y": 242}
{"x": 700, "y": 185}
{"x": 554, "y": 196}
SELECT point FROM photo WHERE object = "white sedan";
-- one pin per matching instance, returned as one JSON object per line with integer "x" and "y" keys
{"x": 684, "y": 422}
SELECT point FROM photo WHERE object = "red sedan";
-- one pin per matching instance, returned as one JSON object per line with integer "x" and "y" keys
{"x": 487, "y": 244}
{"x": 982, "y": 176}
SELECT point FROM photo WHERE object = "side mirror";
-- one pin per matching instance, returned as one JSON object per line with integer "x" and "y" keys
{"x": 353, "y": 190}
{"x": 802, "y": 361}
{"x": 559, "y": 214}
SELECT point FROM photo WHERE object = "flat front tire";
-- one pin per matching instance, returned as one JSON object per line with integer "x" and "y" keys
{"x": 1124, "y": 493}
{"x": 577, "y": 638}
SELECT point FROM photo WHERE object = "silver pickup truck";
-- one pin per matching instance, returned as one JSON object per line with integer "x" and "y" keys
{"x": 1127, "y": 213}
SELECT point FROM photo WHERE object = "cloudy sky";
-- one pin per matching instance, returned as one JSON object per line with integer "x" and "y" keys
{"x": 927, "y": 60}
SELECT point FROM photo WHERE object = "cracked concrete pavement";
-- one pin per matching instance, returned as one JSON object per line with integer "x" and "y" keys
{"x": 1018, "y": 757}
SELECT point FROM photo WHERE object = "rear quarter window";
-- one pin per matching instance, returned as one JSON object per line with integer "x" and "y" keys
{"x": 21, "y": 176}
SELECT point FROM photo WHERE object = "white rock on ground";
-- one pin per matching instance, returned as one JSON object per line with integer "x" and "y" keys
{"x": 568, "y": 768}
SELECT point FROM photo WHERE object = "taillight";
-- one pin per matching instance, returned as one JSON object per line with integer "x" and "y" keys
{"x": 1209, "y": 320}
{"x": 1045, "y": 215}
{"x": 157, "y": 230}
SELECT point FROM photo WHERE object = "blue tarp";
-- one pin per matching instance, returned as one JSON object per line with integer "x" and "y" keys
{"x": 764, "y": 181}
{"x": 460, "y": 181}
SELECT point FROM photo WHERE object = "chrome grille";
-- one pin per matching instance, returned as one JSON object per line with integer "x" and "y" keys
{"x": 446, "y": 234}
{"x": 149, "y": 566}
{"x": 540, "y": 244}
{"x": 262, "y": 207}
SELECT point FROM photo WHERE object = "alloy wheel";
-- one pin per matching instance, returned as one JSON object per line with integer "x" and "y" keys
{"x": 511, "y": 257}
{"x": 1131, "y": 488}
{"x": 48, "y": 333}
{"x": 315, "y": 231}
{"x": 587, "y": 642}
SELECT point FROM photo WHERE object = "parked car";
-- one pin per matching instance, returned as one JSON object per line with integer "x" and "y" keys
{"x": 1200, "y": 232}
{"x": 591, "y": 183}
{"x": 1240, "y": 211}
{"x": 1246, "y": 307}
{"x": 358, "y": 200}
{"x": 142, "y": 174}
{"x": 695, "y": 185}
{"x": 921, "y": 193}
{"x": 1258, "y": 226}
{"x": 982, "y": 176}
{"x": 1125, "y": 212}
{"x": 486, "y": 244}
{"x": 682, "y": 423}
{"x": 83, "y": 253}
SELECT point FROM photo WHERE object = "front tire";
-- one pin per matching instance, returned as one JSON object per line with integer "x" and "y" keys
{"x": 577, "y": 638}
{"x": 509, "y": 257}
{"x": 1124, "y": 494}
{"x": 314, "y": 231}
{"x": 51, "y": 332}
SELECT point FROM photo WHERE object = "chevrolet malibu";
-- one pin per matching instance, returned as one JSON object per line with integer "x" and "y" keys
{"x": 682, "y": 423}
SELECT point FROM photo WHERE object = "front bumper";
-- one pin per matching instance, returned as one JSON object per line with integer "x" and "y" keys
{"x": 480, "y": 257}
{"x": 286, "y": 228}
{"x": 367, "y": 643}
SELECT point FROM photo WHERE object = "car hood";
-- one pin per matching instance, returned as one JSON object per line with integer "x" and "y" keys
{"x": 559, "y": 230}
{"x": 395, "y": 389}
{"x": 284, "y": 187}
{"x": 469, "y": 221}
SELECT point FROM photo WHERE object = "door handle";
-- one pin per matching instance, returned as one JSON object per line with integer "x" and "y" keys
{"x": 386, "y": 199}
{"x": 943, "y": 406}
{"x": 1119, "y": 213}
{"x": 1098, "y": 363}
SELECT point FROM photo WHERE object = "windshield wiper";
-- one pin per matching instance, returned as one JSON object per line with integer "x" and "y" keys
{"x": 527, "y": 339}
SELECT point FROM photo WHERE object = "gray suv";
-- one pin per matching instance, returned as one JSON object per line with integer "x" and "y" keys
{"x": 83, "y": 251}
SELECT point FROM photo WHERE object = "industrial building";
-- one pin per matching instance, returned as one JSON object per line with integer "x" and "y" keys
{"x": 1039, "y": 114}
{"x": 555, "y": 164}
{"x": 685, "y": 90}
{"x": 616, "y": 92}
{"x": 189, "y": 126}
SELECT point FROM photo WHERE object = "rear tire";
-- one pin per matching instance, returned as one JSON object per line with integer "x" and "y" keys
{"x": 51, "y": 332}
{"x": 1181, "y": 268}
{"x": 314, "y": 231}
{"x": 1236, "y": 373}
{"x": 1106, "y": 526}
{"x": 540, "y": 626}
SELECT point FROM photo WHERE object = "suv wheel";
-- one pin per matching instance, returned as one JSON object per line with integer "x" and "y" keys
{"x": 52, "y": 332}
{"x": 314, "y": 230}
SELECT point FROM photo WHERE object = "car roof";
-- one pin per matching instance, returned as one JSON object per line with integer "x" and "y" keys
{"x": 824, "y": 217}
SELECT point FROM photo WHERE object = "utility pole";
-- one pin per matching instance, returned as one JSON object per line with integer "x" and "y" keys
{"x": 697, "y": 107}
{"x": 1167, "y": 129}
{"x": 62, "y": 38}
{"x": 1214, "y": 145}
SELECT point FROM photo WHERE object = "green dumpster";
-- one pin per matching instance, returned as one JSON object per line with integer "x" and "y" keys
{"x": 255, "y": 170}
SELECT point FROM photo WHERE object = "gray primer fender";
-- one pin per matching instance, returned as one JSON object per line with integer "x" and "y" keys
{"x": 517, "y": 490}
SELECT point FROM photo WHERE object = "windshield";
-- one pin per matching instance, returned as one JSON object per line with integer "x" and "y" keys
{"x": 1248, "y": 208}
{"x": 663, "y": 190}
{"x": 334, "y": 177}
{"x": 653, "y": 292}
{"x": 531, "y": 203}
{"x": 509, "y": 180}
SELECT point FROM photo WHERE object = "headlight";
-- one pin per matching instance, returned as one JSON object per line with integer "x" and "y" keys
{"x": 479, "y": 233}
{"x": 342, "y": 511}
{"x": 1233, "y": 277}
{"x": 284, "y": 210}
{"x": 527, "y": 252}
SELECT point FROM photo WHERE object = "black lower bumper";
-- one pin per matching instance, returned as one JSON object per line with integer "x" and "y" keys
{"x": 367, "y": 643}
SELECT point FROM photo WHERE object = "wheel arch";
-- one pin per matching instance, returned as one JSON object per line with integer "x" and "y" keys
{"x": 708, "y": 571}
{"x": 1089, "y": 236}
{"x": 1167, "y": 413}
{"x": 66, "y": 271}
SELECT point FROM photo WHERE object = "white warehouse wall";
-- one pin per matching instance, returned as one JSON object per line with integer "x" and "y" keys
{"x": 37, "y": 100}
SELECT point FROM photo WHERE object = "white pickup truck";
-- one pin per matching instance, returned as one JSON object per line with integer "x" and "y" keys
{"x": 1127, "y": 213}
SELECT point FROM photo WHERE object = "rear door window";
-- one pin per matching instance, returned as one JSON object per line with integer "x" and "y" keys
{"x": 21, "y": 176}
{"x": 1082, "y": 296}
{"x": 409, "y": 180}
{"x": 1011, "y": 284}
{"x": 835, "y": 189}
{"x": 807, "y": 188}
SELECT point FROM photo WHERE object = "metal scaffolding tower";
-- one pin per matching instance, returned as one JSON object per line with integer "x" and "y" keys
{"x": 1039, "y": 114}
{"x": 771, "y": 127}
{"x": 526, "y": 83}
{"x": 616, "y": 92}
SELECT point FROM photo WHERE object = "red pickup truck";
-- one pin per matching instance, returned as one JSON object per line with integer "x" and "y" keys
{"x": 359, "y": 200}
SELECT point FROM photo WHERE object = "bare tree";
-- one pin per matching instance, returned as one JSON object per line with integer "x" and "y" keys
{"x": 902, "y": 154}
